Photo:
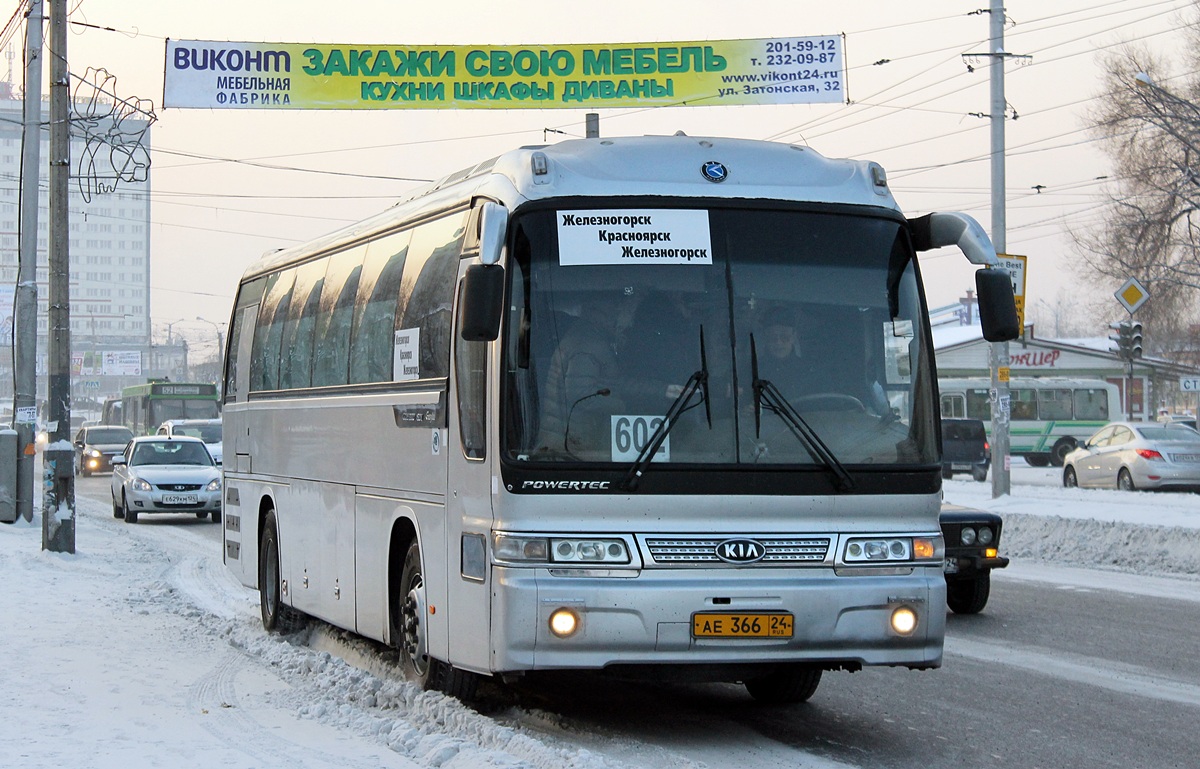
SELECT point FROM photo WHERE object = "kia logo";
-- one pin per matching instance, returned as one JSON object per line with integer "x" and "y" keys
{"x": 740, "y": 551}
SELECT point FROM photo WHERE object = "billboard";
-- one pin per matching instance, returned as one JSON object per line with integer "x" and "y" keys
{"x": 202, "y": 74}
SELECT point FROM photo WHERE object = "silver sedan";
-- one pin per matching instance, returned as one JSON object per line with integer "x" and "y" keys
{"x": 1137, "y": 455}
{"x": 159, "y": 474}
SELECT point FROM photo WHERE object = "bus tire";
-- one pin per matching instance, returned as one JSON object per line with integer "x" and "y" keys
{"x": 1037, "y": 460}
{"x": 1058, "y": 454}
{"x": 969, "y": 596}
{"x": 277, "y": 617}
{"x": 407, "y": 616}
{"x": 410, "y": 634}
{"x": 788, "y": 686}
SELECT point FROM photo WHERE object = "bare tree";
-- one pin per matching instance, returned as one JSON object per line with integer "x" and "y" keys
{"x": 1148, "y": 123}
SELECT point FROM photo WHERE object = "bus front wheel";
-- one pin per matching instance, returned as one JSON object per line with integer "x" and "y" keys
{"x": 410, "y": 633}
{"x": 795, "y": 684}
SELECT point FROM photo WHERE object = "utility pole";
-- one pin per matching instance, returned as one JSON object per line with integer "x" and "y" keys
{"x": 1001, "y": 480}
{"x": 998, "y": 353}
{"x": 58, "y": 505}
{"x": 25, "y": 316}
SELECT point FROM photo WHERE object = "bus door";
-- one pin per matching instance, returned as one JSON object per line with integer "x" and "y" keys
{"x": 468, "y": 498}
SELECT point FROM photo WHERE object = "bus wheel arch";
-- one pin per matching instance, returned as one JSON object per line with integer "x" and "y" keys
{"x": 407, "y": 613}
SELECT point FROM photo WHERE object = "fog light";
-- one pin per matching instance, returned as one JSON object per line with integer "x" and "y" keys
{"x": 904, "y": 620}
{"x": 564, "y": 623}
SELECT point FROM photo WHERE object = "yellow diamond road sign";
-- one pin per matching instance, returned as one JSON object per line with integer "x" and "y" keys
{"x": 1132, "y": 295}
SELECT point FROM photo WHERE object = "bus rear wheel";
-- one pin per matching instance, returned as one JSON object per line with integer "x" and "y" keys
{"x": 277, "y": 617}
{"x": 789, "y": 686}
{"x": 1058, "y": 455}
{"x": 410, "y": 633}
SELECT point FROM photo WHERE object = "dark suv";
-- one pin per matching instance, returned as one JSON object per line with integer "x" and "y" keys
{"x": 965, "y": 448}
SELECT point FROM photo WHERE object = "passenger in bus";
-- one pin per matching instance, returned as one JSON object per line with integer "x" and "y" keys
{"x": 579, "y": 380}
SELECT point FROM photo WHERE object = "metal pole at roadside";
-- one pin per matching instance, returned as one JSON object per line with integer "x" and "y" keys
{"x": 25, "y": 313}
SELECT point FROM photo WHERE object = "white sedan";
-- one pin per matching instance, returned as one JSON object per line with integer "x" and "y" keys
{"x": 156, "y": 474}
{"x": 1136, "y": 455}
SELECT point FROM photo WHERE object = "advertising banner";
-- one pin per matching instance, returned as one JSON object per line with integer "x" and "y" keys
{"x": 204, "y": 74}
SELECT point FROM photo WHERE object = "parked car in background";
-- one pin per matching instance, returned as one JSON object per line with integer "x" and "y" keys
{"x": 160, "y": 474}
{"x": 96, "y": 445}
{"x": 1137, "y": 455}
{"x": 965, "y": 448}
{"x": 972, "y": 551}
{"x": 207, "y": 430}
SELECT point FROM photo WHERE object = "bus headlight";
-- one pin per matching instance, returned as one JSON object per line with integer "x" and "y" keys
{"x": 893, "y": 549}
{"x": 532, "y": 549}
{"x": 569, "y": 550}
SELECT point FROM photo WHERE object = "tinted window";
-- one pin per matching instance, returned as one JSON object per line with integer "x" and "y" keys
{"x": 428, "y": 291}
{"x": 264, "y": 368}
{"x": 335, "y": 316}
{"x": 371, "y": 340}
{"x": 295, "y": 368}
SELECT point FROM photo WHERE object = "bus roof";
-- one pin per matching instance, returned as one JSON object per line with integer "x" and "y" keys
{"x": 669, "y": 166}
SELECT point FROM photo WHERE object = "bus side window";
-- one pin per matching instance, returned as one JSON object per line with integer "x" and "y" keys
{"x": 430, "y": 275}
{"x": 371, "y": 342}
{"x": 470, "y": 371}
{"x": 331, "y": 344}
{"x": 268, "y": 334}
{"x": 1024, "y": 404}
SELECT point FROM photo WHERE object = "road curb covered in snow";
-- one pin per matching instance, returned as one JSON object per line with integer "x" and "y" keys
{"x": 1090, "y": 543}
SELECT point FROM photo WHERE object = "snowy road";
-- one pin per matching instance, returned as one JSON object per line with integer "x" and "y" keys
{"x": 159, "y": 660}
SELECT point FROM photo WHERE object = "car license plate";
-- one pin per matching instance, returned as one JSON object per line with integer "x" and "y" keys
{"x": 180, "y": 499}
{"x": 950, "y": 566}
{"x": 1185, "y": 457}
{"x": 742, "y": 625}
{"x": 960, "y": 466}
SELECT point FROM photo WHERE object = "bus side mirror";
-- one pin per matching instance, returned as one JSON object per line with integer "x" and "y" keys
{"x": 493, "y": 230}
{"x": 481, "y": 303}
{"x": 997, "y": 306}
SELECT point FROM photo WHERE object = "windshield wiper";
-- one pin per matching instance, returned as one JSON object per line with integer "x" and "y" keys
{"x": 697, "y": 381}
{"x": 768, "y": 395}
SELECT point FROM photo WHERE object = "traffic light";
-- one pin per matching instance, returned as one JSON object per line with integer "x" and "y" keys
{"x": 1123, "y": 338}
{"x": 1128, "y": 339}
{"x": 1135, "y": 340}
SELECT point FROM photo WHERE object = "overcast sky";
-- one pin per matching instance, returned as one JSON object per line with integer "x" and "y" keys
{"x": 229, "y": 185}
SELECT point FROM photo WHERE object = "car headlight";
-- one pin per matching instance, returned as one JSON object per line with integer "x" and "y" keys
{"x": 967, "y": 536}
{"x": 93, "y": 453}
{"x": 213, "y": 485}
{"x": 892, "y": 549}
{"x": 985, "y": 535}
{"x": 140, "y": 485}
{"x": 527, "y": 549}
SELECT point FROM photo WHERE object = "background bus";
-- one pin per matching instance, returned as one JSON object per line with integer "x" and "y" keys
{"x": 549, "y": 413}
{"x": 1049, "y": 416}
{"x": 142, "y": 408}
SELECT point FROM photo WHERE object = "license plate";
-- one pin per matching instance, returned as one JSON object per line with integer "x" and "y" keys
{"x": 742, "y": 625}
{"x": 960, "y": 466}
{"x": 1185, "y": 457}
{"x": 180, "y": 499}
{"x": 950, "y": 566}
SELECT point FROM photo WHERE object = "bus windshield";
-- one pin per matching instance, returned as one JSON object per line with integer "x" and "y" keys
{"x": 786, "y": 324}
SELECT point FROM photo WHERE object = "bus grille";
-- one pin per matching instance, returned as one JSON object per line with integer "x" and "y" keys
{"x": 703, "y": 550}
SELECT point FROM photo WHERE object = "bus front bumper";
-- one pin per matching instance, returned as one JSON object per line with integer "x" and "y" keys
{"x": 646, "y": 617}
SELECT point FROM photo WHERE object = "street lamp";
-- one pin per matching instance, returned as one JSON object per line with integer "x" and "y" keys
{"x": 219, "y": 328}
